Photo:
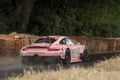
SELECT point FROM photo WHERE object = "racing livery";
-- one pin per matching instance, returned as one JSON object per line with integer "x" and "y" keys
{"x": 60, "y": 47}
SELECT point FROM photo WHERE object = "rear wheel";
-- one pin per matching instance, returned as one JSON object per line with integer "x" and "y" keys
{"x": 84, "y": 55}
{"x": 67, "y": 59}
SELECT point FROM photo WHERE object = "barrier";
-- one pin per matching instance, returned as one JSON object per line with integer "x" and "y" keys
{"x": 10, "y": 46}
{"x": 99, "y": 45}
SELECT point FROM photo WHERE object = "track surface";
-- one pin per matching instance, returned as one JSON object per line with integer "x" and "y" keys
{"x": 17, "y": 68}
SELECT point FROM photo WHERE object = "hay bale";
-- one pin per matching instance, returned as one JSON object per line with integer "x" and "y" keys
{"x": 99, "y": 45}
{"x": 9, "y": 46}
{"x": 117, "y": 44}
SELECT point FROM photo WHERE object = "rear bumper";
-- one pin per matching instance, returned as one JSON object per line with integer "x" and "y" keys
{"x": 40, "y": 53}
{"x": 42, "y": 59}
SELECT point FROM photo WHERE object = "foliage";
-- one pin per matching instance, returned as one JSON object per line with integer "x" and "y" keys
{"x": 64, "y": 17}
{"x": 7, "y": 18}
{"x": 76, "y": 17}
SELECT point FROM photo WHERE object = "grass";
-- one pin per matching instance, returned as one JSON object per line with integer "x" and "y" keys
{"x": 103, "y": 70}
{"x": 71, "y": 74}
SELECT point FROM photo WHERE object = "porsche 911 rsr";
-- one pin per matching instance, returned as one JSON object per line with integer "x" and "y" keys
{"x": 53, "y": 48}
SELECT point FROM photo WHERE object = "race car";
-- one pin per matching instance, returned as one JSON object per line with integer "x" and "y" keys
{"x": 54, "y": 48}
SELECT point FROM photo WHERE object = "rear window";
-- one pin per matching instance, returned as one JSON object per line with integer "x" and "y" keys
{"x": 45, "y": 40}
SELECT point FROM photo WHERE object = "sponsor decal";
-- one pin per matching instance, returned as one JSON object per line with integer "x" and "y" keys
{"x": 76, "y": 52}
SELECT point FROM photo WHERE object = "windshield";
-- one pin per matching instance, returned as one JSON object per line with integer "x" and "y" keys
{"x": 45, "y": 40}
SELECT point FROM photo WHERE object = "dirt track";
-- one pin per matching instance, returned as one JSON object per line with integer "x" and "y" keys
{"x": 16, "y": 68}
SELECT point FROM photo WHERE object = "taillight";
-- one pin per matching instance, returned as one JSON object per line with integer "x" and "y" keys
{"x": 53, "y": 49}
{"x": 24, "y": 49}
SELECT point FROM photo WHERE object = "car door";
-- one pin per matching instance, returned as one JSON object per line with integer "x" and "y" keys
{"x": 73, "y": 48}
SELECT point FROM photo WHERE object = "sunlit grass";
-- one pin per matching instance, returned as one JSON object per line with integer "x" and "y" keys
{"x": 104, "y": 70}
{"x": 71, "y": 74}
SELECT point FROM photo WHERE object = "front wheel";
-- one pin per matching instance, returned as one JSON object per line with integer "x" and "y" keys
{"x": 84, "y": 55}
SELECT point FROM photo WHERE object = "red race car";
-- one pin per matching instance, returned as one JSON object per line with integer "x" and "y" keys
{"x": 53, "y": 48}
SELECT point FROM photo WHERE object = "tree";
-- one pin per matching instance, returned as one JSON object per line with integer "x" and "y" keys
{"x": 23, "y": 13}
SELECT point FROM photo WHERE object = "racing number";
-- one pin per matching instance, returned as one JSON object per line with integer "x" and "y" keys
{"x": 76, "y": 52}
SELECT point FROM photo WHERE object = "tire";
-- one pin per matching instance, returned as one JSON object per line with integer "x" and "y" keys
{"x": 67, "y": 59}
{"x": 84, "y": 55}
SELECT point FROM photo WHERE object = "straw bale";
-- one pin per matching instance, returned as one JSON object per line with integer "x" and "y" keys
{"x": 99, "y": 45}
{"x": 10, "y": 46}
